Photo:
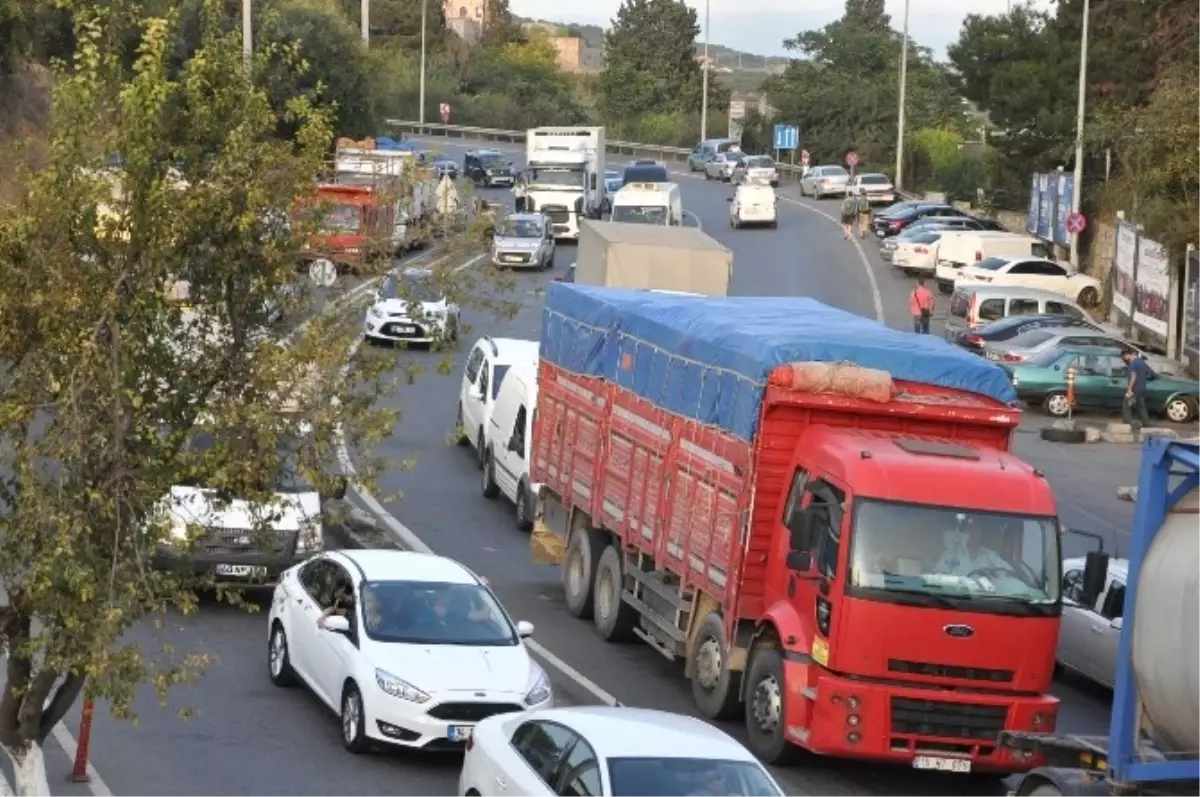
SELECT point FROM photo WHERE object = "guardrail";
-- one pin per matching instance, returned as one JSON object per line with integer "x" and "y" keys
{"x": 787, "y": 171}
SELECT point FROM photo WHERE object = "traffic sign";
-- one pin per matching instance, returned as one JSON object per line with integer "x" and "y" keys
{"x": 805, "y": 158}
{"x": 323, "y": 272}
{"x": 1076, "y": 223}
{"x": 787, "y": 137}
{"x": 444, "y": 112}
{"x": 851, "y": 159}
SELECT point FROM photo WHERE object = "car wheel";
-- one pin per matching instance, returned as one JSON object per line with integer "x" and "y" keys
{"x": 480, "y": 449}
{"x": 1089, "y": 297}
{"x": 1180, "y": 410}
{"x": 715, "y": 688}
{"x": 354, "y": 737}
{"x": 1056, "y": 405}
{"x": 707, "y": 176}
{"x": 523, "y": 509}
{"x": 487, "y": 484}
{"x": 279, "y": 663}
{"x": 614, "y": 618}
{"x": 766, "y": 709}
{"x": 462, "y": 438}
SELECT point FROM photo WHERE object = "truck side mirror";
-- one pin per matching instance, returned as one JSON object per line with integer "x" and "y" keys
{"x": 800, "y": 524}
{"x": 1095, "y": 576}
{"x": 799, "y": 561}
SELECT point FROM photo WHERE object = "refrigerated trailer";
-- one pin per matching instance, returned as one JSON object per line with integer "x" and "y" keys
{"x": 819, "y": 516}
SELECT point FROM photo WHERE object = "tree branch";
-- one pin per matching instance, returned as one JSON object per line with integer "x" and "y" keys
{"x": 64, "y": 697}
{"x": 33, "y": 702}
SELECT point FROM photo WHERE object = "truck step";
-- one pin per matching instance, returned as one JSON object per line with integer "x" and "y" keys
{"x": 653, "y": 642}
{"x": 668, "y": 592}
{"x": 654, "y": 618}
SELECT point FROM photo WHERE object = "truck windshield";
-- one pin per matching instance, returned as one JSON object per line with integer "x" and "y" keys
{"x": 931, "y": 555}
{"x": 547, "y": 178}
{"x": 342, "y": 219}
{"x": 640, "y": 214}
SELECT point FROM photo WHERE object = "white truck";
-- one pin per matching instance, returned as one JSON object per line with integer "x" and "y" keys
{"x": 361, "y": 163}
{"x": 564, "y": 176}
{"x": 648, "y": 203}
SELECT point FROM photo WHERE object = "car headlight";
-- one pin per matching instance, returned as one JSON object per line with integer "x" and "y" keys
{"x": 540, "y": 691}
{"x": 398, "y": 687}
{"x": 375, "y": 312}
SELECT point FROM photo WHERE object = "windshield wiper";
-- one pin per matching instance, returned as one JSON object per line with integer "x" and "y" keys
{"x": 934, "y": 597}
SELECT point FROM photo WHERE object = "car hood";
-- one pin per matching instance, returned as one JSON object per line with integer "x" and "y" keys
{"x": 196, "y": 506}
{"x": 463, "y": 668}
{"x": 505, "y": 242}
{"x": 400, "y": 307}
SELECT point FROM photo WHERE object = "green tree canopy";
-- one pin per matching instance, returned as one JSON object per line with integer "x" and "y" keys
{"x": 397, "y": 23}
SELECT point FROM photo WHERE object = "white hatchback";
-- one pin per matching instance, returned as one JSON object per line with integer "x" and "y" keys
{"x": 487, "y": 364}
{"x": 409, "y": 649}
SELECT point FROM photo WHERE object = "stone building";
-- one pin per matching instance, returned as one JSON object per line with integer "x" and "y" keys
{"x": 466, "y": 18}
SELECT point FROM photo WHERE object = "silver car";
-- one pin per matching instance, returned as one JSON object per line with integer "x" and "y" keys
{"x": 523, "y": 240}
{"x": 756, "y": 169}
{"x": 822, "y": 181}
{"x": 1091, "y": 625}
{"x": 1035, "y": 341}
{"x": 722, "y": 165}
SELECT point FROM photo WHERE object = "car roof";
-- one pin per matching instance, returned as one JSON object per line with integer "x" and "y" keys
{"x": 484, "y": 152}
{"x": 509, "y": 350}
{"x": 628, "y": 732}
{"x": 1117, "y": 567}
{"x": 873, "y": 174}
{"x": 538, "y": 217}
{"x": 1015, "y": 291}
{"x": 379, "y": 564}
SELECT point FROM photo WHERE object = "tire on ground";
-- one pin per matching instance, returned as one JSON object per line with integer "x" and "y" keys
{"x": 581, "y": 559}
{"x": 721, "y": 700}
{"x": 1052, "y": 435}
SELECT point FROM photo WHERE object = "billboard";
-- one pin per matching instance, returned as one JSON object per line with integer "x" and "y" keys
{"x": 1191, "y": 306}
{"x": 1047, "y": 187}
{"x": 1125, "y": 268}
{"x": 1066, "y": 190}
{"x": 1152, "y": 309}
{"x": 1035, "y": 201}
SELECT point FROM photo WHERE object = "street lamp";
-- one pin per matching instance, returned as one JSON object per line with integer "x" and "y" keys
{"x": 247, "y": 35}
{"x": 1079, "y": 111}
{"x": 421, "y": 111}
{"x": 705, "y": 70}
{"x": 903, "y": 93}
{"x": 365, "y": 16}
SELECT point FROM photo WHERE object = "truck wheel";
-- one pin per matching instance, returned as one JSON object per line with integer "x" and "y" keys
{"x": 487, "y": 484}
{"x": 766, "y": 709}
{"x": 714, "y": 686}
{"x": 578, "y": 571}
{"x": 614, "y": 619}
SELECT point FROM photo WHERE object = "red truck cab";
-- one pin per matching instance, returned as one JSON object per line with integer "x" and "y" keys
{"x": 355, "y": 226}
{"x": 853, "y": 562}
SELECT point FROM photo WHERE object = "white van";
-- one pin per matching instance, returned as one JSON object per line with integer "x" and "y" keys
{"x": 959, "y": 249}
{"x": 753, "y": 203}
{"x": 482, "y": 377}
{"x": 509, "y": 443}
{"x": 648, "y": 203}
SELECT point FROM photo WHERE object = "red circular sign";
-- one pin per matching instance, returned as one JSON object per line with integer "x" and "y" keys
{"x": 852, "y": 159}
{"x": 1076, "y": 223}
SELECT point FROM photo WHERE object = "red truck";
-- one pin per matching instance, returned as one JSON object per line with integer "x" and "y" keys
{"x": 819, "y": 515}
{"x": 356, "y": 227}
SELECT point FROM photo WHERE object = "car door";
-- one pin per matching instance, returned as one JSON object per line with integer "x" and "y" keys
{"x": 306, "y": 610}
{"x": 1049, "y": 277}
{"x": 540, "y": 748}
{"x": 333, "y": 652}
{"x": 470, "y": 396}
{"x": 1092, "y": 378}
{"x": 1075, "y": 628}
{"x": 1118, "y": 381}
{"x": 1106, "y": 626}
{"x": 511, "y": 453}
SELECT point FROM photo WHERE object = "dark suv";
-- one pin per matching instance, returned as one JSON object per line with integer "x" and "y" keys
{"x": 487, "y": 168}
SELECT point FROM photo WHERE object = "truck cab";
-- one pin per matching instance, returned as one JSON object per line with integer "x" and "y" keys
{"x": 648, "y": 203}
{"x": 564, "y": 177}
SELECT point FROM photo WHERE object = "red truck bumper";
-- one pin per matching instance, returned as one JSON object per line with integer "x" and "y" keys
{"x": 924, "y": 728}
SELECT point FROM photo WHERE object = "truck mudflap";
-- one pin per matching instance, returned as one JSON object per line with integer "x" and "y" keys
{"x": 1061, "y": 781}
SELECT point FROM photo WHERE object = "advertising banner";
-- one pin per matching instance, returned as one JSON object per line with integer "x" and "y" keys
{"x": 1066, "y": 190}
{"x": 1153, "y": 271}
{"x": 1034, "y": 203}
{"x": 1191, "y": 307}
{"x": 1124, "y": 268}
{"x": 1047, "y": 185}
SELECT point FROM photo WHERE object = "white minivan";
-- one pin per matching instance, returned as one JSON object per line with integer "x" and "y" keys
{"x": 509, "y": 443}
{"x": 959, "y": 249}
{"x": 753, "y": 203}
{"x": 487, "y": 364}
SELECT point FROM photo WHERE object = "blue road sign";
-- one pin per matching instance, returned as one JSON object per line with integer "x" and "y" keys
{"x": 787, "y": 137}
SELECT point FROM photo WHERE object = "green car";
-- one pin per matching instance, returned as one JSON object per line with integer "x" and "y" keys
{"x": 1100, "y": 380}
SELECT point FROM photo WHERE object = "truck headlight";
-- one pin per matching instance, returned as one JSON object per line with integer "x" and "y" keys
{"x": 398, "y": 687}
{"x": 540, "y": 691}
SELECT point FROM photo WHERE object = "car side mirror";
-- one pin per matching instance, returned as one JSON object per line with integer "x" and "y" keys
{"x": 801, "y": 528}
{"x": 524, "y": 629}
{"x": 476, "y": 393}
{"x": 337, "y": 624}
{"x": 1095, "y": 576}
{"x": 1117, "y": 623}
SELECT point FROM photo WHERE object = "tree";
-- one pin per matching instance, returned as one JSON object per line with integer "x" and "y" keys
{"x": 398, "y": 22}
{"x": 499, "y": 27}
{"x": 105, "y": 380}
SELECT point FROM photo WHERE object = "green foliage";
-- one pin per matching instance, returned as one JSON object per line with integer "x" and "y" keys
{"x": 397, "y": 23}
{"x": 499, "y": 27}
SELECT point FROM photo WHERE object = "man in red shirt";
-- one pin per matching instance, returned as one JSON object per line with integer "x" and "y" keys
{"x": 920, "y": 306}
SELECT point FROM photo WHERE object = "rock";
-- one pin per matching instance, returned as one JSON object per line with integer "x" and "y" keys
{"x": 1117, "y": 427}
{"x": 1112, "y": 437}
{"x": 1159, "y": 431}
{"x": 1091, "y": 434}
{"x": 1127, "y": 493}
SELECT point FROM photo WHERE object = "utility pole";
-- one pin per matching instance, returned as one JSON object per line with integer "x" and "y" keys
{"x": 247, "y": 36}
{"x": 1077, "y": 190}
{"x": 903, "y": 93}
{"x": 704, "y": 66}
{"x": 421, "y": 112}
{"x": 365, "y": 15}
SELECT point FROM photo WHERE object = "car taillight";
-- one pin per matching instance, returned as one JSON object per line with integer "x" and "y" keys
{"x": 973, "y": 340}
{"x": 1010, "y": 357}
{"x": 920, "y": 250}
{"x": 978, "y": 256}
{"x": 895, "y": 225}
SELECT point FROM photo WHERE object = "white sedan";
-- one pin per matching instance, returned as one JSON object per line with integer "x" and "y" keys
{"x": 1034, "y": 272}
{"x": 411, "y": 307}
{"x": 409, "y": 649}
{"x": 608, "y": 750}
{"x": 917, "y": 255}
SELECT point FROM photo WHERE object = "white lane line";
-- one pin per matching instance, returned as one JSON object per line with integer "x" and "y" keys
{"x": 66, "y": 741}
{"x": 699, "y": 224}
{"x": 409, "y": 539}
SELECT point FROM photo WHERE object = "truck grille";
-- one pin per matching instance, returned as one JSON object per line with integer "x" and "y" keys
{"x": 947, "y": 720}
{"x": 471, "y": 712}
{"x": 226, "y": 541}
{"x": 558, "y": 216}
{"x": 950, "y": 671}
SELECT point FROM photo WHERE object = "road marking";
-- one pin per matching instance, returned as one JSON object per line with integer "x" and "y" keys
{"x": 66, "y": 741}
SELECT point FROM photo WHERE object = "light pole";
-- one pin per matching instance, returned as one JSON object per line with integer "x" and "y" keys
{"x": 247, "y": 35}
{"x": 903, "y": 93}
{"x": 421, "y": 111}
{"x": 365, "y": 15}
{"x": 704, "y": 68}
{"x": 1077, "y": 190}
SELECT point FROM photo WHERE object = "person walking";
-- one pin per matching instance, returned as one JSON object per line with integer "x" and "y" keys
{"x": 849, "y": 211}
{"x": 1135, "y": 391}
{"x": 518, "y": 190}
{"x": 920, "y": 306}
{"x": 864, "y": 214}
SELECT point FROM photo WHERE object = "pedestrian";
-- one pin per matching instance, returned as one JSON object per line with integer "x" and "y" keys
{"x": 849, "y": 211}
{"x": 920, "y": 306}
{"x": 864, "y": 214}
{"x": 1135, "y": 390}
{"x": 518, "y": 190}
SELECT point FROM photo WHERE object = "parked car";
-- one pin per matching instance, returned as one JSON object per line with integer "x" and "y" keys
{"x": 1101, "y": 378}
{"x": 976, "y": 304}
{"x": 1031, "y": 343}
{"x": 756, "y": 169}
{"x": 876, "y": 187}
{"x": 608, "y": 750}
{"x": 973, "y": 340}
{"x": 969, "y": 247}
{"x": 722, "y": 165}
{"x": 486, "y": 366}
{"x": 523, "y": 240}
{"x": 823, "y": 181}
{"x": 1090, "y": 632}
{"x": 392, "y": 641}
{"x": 1034, "y": 272}
{"x": 947, "y": 223}
{"x": 443, "y": 166}
{"x": 916, "y": 254}
{"x": 891, "y": 224}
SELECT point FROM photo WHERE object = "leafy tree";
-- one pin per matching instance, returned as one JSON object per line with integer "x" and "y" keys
{"x": 499, "y": 27}
{"x": 104, "y": 378}
{"x": 397, "y": 23}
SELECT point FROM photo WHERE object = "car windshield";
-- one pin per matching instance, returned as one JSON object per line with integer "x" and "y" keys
{"x": 434, "y": 613}
{"x": 992, "y": 263}
{"x": 646, "y": 174}
{"x": 679, "y": 777}
{"x": 493, "y": 161}
{"x": 926, "y": 555}
{"x": 288, "y": 478}
{"x": 874, "y": 179}
{"x": 520, "y": 228}
{"x": 342, "y": 218}
{"x": 834, "y": 171}
{"x": 555, "y": 178}
{"x": 640, "y": 214}
{"x": 760, "y": 162}
{"x": 419, "y": 288}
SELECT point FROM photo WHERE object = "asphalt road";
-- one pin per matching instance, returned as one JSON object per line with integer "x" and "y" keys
{"x": 248, "y": 737}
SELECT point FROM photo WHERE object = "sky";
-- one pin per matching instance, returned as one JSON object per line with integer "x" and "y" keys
{"x": 754, "y": 26}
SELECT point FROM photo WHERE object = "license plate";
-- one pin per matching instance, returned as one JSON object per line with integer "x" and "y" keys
{"x": 400, "y": 330}
{"x": 991, "y": 355}
{"x": 511, "y": 258}
{"x": 242, "y": 571}
{"x": 460, "y": 733}
{"x": 942, "y": 764}
{"x": 879, "y": 233}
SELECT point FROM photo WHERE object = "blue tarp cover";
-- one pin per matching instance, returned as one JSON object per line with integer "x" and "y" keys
{"x": 383, "y": 142}
{"x": 708, "y": 358}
